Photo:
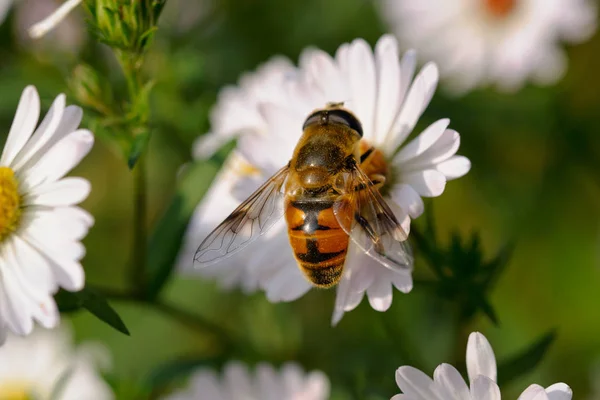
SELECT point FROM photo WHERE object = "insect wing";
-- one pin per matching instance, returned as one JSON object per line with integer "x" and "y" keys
{"x": 250, "y": 220}
{"x": 369, "y": 221}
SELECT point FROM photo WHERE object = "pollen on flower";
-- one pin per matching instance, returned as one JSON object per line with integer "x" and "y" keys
{"x": 15, "y": 391}
{"x": 10, "y": 202}
{"x": 500, "y": 8}
{"x": 373, "y": 162}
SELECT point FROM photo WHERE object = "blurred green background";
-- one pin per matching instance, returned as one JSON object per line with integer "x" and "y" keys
{"x": 535, "y": 180}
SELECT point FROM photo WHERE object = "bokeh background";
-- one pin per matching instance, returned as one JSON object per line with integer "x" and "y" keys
{"x": 535, "y": 180}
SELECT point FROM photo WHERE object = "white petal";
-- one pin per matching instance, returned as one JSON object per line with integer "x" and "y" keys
{"x": 428, "y": 183}
{"x": 26, "y": 119}
{"x": 534, "y": 392}
{"x": 60, "y": 159}
{"x": 380, "y": 294}
{"x": 362, "y": 82}
{"x": 408, "y": 65}
{"x": 483, "y": 388}
{"x": 17, "y": 308}
{"x": 43, "y": 27}
{"x": 415, "y": 384}
{"x": 288, "y": 285}
{"x": 416, "y": 101}
{"x": 423, "y": 142}
{"x": 66, "y": 192}
{"x": 559, "y": 391}
{"x": 388, "y": 87}
{"x": 42, "y": 134}
{"x": 455, "y": 167}
{"x": 408, "y": 199}
{"x": 451, "y": 382}
{"x": 480, "y": 357}
{"x": 444, "y": 148}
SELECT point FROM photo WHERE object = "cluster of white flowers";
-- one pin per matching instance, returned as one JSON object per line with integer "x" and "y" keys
{"x": 44, "y": 366}
{"x": 291, "y": 383}
{"x": 475, "y": 42}
{"x": 448, "y": 384}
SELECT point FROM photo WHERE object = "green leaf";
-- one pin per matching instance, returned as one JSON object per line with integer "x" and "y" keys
{"x": 525, "y": 361}
{"x": 166, "y": 239}
{"x": 137, "y": 148}
{"x": 94, "y": 303}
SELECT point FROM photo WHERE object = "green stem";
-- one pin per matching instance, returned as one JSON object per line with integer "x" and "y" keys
{"x": 140, "y": 240}
{"x": 191, "y": 320}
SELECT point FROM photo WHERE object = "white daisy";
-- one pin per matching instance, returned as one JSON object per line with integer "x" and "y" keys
{"x": 237, "y": 383}
{"x": 448, "y": 384}
{"x": 40, "y": 226}
{"x": 502, "y": 42}
{"x": 44, "y": 366}
{"x": 379, "y": 88}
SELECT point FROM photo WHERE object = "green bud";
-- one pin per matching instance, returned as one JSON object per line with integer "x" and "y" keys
{"x": 89, "y": 89}
{"x": 128, "y": 25}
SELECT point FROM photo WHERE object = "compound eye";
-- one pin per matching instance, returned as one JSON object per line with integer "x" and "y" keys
{"x": 313, "y": 119}
{"x": 345, "y": 118}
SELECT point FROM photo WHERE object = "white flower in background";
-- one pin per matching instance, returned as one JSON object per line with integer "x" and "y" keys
{"x": 69, "y": 36}
{"x": 502, "y": 42}
{"x": 44, "y": 26}
{"x": 448, "y": 384}
{"x": 379, "y": 88}
{"x": 291, "y": 383}
{"x": 40, "y": 226}
{"x": 44, "y": 366}
{"x": 4, "y": 9}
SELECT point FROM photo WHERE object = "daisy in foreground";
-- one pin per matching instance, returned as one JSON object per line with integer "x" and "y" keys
{"x": 44, "y": 366}
{"x": 269, "y": 109}
{"x": 448, "y": 384}
{"x": 502, "y": 42}
{"x": 40, "y": 226}
{"x": 291, "y": 383}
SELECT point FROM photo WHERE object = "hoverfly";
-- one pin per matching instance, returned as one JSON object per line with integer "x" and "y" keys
{"x": 329, "y": 194}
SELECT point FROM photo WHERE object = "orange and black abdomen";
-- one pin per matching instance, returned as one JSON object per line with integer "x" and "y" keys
{"x": 319, "y": 243}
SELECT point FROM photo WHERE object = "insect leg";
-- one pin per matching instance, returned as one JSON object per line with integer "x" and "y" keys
{"x": 369, "y": 231}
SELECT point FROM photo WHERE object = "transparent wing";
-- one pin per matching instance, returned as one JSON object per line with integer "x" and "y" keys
{"x": 246, "y": 223}
{"x": 365, "y": 216}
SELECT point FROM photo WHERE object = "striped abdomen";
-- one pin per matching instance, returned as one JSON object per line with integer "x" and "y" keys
{"x": 318, "y": 241}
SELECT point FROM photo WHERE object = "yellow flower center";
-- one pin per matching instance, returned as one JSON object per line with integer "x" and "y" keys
{"x": 500, "y": 8}
{"x": 10, "y": 202}
{"x": 15, "y": 391}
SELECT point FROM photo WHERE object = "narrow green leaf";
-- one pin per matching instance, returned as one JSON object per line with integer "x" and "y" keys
{"x": 166, "y": 239}
{"x": 137, "y": 148}
{"x": 526, "y": 360}
{"x": 94, "y": 303}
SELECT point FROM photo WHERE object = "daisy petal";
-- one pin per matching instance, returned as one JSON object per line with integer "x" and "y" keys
{"x": 423, "y": 142}
{"x": 428, "y": 183}
{"x": 408, "y": 199}
{"x": 455, "y": 167}
{"x": 451, "y": 382}
{"x": 483, "y": 388}
{"x": 480, "y": 357}
{"x": 534, "y": 392}
{"x": 66, "y": 192}
{"x": 23, "y": 125}
{"x": 415, "y": 384}
{"x": 559, "y": 391}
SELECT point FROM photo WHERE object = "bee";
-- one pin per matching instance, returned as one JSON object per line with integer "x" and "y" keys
{"x": 329, "y": 194}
